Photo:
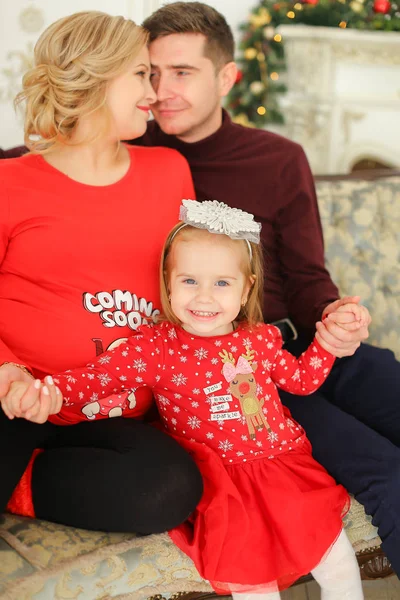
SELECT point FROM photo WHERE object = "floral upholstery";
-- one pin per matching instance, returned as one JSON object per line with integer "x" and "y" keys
{"x": 361, "y": 222}
{"x": 44, "y": 561}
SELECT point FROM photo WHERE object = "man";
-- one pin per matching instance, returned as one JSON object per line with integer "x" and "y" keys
{"x": 354, "y": 421}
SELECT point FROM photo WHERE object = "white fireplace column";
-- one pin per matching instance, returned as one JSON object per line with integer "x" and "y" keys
{"x": 343, "y": 99}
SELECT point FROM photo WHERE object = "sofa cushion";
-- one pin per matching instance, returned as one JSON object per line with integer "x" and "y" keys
{"x": 361, "y": 223}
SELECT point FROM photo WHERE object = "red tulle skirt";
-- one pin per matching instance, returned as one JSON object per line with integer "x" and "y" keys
{"x": 262, "y": 524}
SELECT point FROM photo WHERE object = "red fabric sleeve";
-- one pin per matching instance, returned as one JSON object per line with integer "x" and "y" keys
{"x": 6, "y": 355}
{"x": 300, "y": 376}
{"x": 308, "y": 285}
{"x": 95, "y": 391}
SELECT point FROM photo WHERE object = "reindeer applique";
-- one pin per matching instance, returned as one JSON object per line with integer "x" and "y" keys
{"x": 243, "y": 387}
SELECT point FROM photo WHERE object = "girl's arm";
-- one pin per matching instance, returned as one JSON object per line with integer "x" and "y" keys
{"x": 300, "y": 376}
{"x": 98, "y": 389}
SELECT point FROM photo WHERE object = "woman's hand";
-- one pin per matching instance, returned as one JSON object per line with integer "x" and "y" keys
{"x": 32, "y": 401}
{"x": 9, "y": 373}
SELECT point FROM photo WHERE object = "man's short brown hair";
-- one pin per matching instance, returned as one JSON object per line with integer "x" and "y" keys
{"x": 195, "y": 17}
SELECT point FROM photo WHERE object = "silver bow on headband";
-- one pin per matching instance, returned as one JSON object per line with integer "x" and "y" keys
{"x": 218, "y": 217}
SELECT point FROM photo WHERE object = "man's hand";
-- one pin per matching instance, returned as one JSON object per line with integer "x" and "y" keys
{"x": 344, "y": 326}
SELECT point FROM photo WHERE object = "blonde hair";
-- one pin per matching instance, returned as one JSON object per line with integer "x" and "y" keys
{"x": 74, "y": 59}
{"x": 251, "y": 312}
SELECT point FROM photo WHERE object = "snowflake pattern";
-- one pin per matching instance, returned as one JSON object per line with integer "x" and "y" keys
{"x": 140, "y": 365}
{"x": 201, "y": 353}
{"x": 194, "y": 422}
{"x": 179, "y": 379}
{"x": 104, "y": 379}
{"x": 163, "y": 400}
{"x": 105, "y": 359}
{"x": 316, "y": 362}
{"x": 225, "y": 445}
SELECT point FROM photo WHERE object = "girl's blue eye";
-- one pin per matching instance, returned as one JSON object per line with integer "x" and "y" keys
{"x": 222, "y": 283}
{"x": 189, "y": 281}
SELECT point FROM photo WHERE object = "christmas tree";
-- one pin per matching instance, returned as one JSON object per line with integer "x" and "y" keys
{"x": 253, "y": 100}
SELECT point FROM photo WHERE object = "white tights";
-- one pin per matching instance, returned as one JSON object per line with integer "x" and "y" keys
{"x": 338, "y": 575}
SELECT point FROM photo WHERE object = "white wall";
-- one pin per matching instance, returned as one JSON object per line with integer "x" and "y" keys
{"x": 22, "y": 21}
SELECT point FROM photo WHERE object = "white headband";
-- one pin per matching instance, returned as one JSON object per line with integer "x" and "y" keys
{"x": 218, "y": 217}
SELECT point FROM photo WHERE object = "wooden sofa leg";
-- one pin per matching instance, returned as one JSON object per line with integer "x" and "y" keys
{"x": 374, "y": 565}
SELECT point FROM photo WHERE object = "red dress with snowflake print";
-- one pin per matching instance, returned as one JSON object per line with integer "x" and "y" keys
{"x": 269, "y": 512}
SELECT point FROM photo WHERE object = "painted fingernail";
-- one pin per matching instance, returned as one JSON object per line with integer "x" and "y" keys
{"x": 37, "y": 384}
{"x": 46, "y": 391}
{"x": 50, "y": 379}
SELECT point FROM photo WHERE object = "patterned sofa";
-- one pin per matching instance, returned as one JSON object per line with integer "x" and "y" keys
{"x": 44, "y": 561}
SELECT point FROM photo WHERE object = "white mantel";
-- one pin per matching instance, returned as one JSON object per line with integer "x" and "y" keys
{"x": 343, "y": 100}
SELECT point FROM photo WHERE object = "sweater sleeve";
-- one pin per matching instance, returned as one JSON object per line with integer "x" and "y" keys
{"x": 308, "y": 285}
{"x": 6, "y": 354}
{"x": 300, "y": 376}
{"x": 98, "y": 390}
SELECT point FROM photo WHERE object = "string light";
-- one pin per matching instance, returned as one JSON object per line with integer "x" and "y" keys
{"x": 261, "y": 110}
{"x": 277, "y": 37}
{"x": 250, "y": 53}
{"x": 291, "y": 14}
{"x": 274, "y": 76}
{"x": 343, "y": 24}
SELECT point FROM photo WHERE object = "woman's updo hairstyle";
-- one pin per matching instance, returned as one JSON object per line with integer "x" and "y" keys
{"x": 74, "y": 59}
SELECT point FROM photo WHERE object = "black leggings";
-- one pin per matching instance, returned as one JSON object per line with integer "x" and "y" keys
{"x": 111, "y": 475}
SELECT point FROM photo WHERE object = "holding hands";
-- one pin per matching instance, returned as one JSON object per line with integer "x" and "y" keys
{"x": 32, "y": 400}
{"x": 343, "y": 327}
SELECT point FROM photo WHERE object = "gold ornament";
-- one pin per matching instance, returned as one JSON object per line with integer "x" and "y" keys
{"x": 257, "y": 87}
{"x": 250, "y": 53}
{"x": 269, "y": 32}
{"x": 356, "y": 6}
{"x": 242, "y": 119}
{"x": 263, "y": 17}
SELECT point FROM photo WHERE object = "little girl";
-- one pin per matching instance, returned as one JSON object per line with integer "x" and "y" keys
{"x": 269, "y": 513}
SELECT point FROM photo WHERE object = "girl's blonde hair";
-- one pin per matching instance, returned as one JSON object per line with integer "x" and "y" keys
{"x": 74, "y": 59}
{"x": 252, "y": 269}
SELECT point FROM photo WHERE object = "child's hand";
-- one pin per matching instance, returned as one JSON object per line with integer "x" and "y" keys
{"x": 18, "y": 390}
{"x": 49, "y": 402}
